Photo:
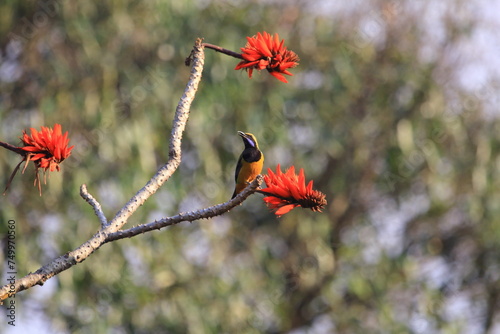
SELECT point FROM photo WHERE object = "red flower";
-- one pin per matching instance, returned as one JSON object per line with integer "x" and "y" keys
{"x": 47, "y": 149}
{"x": 286, "y": 191}
{"x": 267, "y": 52}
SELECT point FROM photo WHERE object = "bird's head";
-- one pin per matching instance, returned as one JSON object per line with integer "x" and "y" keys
{"x": 248, "y": 139}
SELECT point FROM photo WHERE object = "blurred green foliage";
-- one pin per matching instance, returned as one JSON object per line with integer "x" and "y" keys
{"x": 405, "y": 155}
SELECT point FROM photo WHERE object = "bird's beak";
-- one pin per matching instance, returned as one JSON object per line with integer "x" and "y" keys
{"x": 248, "y": 139}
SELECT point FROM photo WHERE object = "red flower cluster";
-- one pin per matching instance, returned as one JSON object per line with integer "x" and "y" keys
{"x": 264, "y": 51}
{"x": 46, "y": 148}
{"x": 286, "y": 191}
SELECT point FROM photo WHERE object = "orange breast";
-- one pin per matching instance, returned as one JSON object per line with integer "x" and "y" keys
{"x": 248, "y": 173}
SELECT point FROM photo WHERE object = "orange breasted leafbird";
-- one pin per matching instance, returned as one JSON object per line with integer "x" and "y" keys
{"x": 249, "y": 164}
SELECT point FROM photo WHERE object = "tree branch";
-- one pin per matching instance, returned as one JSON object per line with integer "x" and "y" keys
{"x": 163, "y": 174}
{"x": 179, "y": 124}
{"x": 206, "y": 213}
{"x": 94, "y": 204}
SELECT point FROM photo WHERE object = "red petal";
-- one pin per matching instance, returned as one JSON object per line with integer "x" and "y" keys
{"x": 279, "y": 76}
{"x": 285, "y": 209}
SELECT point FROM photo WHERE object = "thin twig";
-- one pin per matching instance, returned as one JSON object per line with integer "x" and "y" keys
{"x": 222, "y": 50}
{"x": 94, "y": 204}
{"x": 13, "y": 148}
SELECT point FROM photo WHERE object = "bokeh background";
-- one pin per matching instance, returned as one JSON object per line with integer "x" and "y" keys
{"x": 393, "y": 112}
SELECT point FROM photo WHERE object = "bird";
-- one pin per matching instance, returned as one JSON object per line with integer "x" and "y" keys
{"x": 249, "y": 164}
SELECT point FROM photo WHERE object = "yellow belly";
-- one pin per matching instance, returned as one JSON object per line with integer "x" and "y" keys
{"x": 248, "y": 173}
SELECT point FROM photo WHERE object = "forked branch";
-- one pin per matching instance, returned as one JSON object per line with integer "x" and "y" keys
{"x": 110, "y": 231}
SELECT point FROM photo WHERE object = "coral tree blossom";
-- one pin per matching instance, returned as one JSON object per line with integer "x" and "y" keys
{"x": 264, "y": 51}
{"x": 286, "y": 191}
{"x": 46, "y": 148}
